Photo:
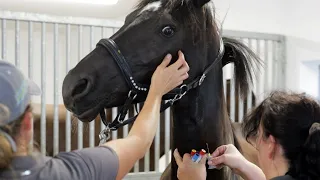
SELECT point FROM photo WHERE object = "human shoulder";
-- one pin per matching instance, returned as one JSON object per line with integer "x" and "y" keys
{"x": 286, "y": 177}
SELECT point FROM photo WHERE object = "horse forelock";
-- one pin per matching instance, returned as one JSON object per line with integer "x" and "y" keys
{"x": 190, "y": 18}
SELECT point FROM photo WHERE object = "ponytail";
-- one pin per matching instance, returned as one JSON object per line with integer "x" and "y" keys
{"x": 6, "y": 149}
{"x": 8, "y": 146}
{"x": 307, "y": 165}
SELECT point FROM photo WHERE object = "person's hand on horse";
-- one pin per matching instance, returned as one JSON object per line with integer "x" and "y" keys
{"x": 228, "y": 155}
{"x": 187, "y": 169}
{"x": 166, "y": 78}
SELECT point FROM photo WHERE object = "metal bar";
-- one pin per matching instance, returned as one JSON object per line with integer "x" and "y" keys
{"x": 17, "y": 44}
{"x": 157, "y": 148}
{"x": 240, "y": 99}
{"x": 136, "y": 165}
{"x": 259, "y": 77}
{"x": 249, "y": 97}
{"x": 125, "y": 129}
{"x": 283, "y": 55}
{"x": 102, "y": 126}
{"x": 232, "y": 97}
{"x": 30, "y": 64}
{"x": 318, "y": 82}
{"x": 91, "y": 124}
{"x": 9, "y": 15}
{"x": 68, "y": 115}
{"x": 147, "y": 161}
{"x": 274, "y": 64}
{"x": 4, "y": 39}
{"x": 114, "y": 115}
{"x": 43, "y": 89}
{"x": 266, "y": 72}
{"x": 56, "y": 90}
{"x": 167, "y": 135}
{"x": 80, "y": 123}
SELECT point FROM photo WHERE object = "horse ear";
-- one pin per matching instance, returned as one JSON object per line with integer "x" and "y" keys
{"x": 200, "y": 3}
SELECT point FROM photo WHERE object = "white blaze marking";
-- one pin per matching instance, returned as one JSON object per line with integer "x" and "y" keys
{"x": 154, "y": 6}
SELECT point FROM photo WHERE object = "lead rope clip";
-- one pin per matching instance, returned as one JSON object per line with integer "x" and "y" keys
{"x": 104, "y": 135}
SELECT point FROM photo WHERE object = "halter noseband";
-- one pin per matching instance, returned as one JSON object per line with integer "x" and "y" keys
{"x": 136, "y": 88}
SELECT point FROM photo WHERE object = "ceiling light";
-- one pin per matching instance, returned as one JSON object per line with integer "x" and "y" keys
{"x": 101, "y": 2}
{"x": 97, "y": 2}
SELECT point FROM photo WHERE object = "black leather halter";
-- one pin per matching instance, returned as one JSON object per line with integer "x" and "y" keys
{"x": 136, "y": 88}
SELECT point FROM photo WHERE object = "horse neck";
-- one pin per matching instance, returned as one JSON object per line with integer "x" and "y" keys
{"x": 201, "y": 117}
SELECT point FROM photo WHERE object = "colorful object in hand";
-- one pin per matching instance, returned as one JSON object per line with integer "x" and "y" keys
{"x": 193, "y": 152}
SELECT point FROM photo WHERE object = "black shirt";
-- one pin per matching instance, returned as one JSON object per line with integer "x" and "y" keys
{"x": 286, "y": 177}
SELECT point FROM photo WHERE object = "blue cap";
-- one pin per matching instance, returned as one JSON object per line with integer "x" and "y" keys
{"x": 15, "y": 92}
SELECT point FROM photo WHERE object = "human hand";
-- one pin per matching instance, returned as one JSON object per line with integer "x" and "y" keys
{"x": 164, "y": 79}
{"x": 187, "y": 169}
{"x": 228, "y": 155}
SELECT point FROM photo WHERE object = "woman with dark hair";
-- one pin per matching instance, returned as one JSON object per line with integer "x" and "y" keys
{"x": 285, "y": 130}
{"x": 112, "y": 160}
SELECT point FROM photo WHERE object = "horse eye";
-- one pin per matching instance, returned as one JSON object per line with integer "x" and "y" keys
{"x": 168, "y": 31}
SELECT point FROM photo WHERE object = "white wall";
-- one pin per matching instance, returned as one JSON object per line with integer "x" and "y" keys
{"x": 296, "y": 19}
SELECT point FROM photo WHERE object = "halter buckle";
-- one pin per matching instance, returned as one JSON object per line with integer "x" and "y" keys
{"x": 104, "y": 135}
{"x": 202, "y": 79}
{"x": 180, "y": 95}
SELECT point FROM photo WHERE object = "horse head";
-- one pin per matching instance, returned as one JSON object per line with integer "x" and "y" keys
{"x": 152, "y": 30}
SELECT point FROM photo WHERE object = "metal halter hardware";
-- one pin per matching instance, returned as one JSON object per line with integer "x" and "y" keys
{"x": 136, "y": 88}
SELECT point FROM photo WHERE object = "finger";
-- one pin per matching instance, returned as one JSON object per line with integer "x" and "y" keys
{"x": 166, "y": 61}
{"x": 186, "y": 157}
{"x": 185, "y": 65}
{"x": 217, "y": 160}
{"x": 181, "y": 61}
{"x": 184, "y": 77}
{"x": 220, "y": 150}
{"x": 184, "y": 69}
{"x": 177, "y": 157}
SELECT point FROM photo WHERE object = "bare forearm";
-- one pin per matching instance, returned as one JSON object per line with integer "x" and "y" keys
{"x": 252, "y": 172}
{"x": 146, "y": 124}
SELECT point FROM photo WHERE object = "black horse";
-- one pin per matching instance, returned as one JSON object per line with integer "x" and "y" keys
{"x": 127, "y": 60}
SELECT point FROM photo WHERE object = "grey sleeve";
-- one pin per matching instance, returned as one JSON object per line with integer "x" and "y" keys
{"x": 91, "y": 163}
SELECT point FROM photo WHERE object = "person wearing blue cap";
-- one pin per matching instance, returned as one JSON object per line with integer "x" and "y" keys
{"x": 112, "y": 160}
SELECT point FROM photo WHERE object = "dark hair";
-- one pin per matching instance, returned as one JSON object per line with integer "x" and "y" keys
{"x": 289, "y": 117}
{"x": 12, "y": 129}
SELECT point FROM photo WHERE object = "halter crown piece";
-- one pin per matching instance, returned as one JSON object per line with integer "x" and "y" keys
{"x": 137, "y": 88}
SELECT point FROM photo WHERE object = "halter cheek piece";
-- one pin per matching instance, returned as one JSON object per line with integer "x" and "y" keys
{"x": 136, "y": 88}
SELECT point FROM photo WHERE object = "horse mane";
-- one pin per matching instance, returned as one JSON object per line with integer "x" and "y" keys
{"x": 244, "y": 60}
{"x": 190, "y": 16}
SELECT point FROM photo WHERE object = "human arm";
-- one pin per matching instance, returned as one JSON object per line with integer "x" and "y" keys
{"x": 228, "y": 155}
{"x": 135, "y": 145}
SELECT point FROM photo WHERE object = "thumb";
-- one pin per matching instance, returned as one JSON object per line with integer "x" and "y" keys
{"x": 217, "y": 160}
{"x": 166, "y": 61}
{"x": 177, "y": 157}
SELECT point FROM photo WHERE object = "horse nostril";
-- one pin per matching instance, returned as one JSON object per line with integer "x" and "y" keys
{"x": 81, "y": 89}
